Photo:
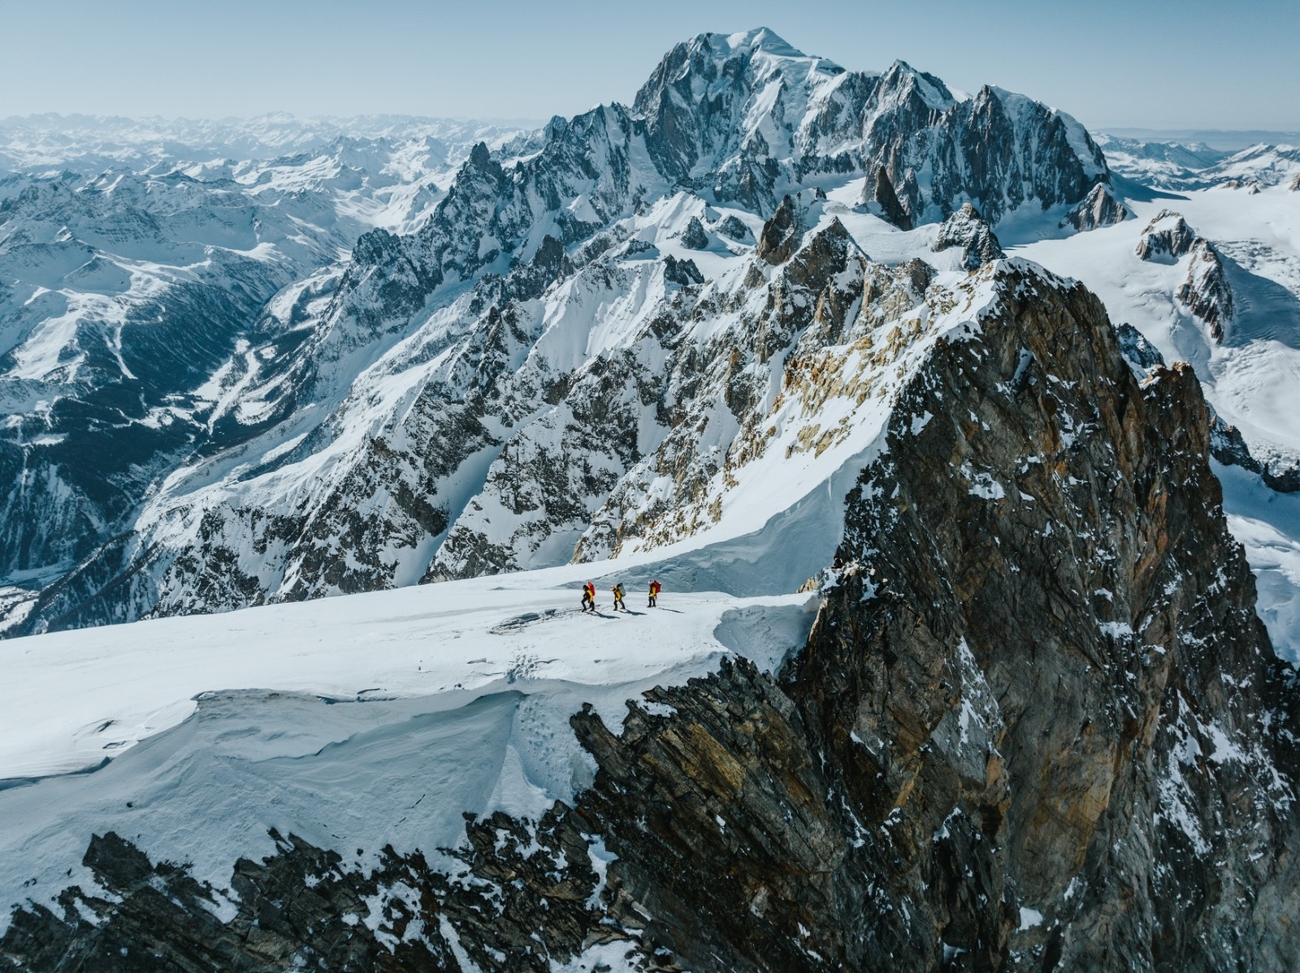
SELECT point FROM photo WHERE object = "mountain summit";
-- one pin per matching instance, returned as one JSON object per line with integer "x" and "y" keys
{"x": 747, "y": 117}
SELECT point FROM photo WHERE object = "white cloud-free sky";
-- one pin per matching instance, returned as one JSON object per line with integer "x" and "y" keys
{"x": 1112, "y": 63}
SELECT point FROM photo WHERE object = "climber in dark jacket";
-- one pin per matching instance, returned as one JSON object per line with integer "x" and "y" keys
{"x": 589, "y": 597}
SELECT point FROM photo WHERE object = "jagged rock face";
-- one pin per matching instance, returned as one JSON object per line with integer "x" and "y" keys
{"x": 998, "y": 149}
{"x": 1227, "y": 445}
{"x": 1140, "y": 353}
{"x": 1206, "y": 292}
{"x": 1295, "y": 184}
{"x": 1230, "y": 448}
{"x": 967, "y": 229}
{"x": 694, "y": 237}
{"x": 1036, "y": 726}
{"x": 733, "y": 229}
{"x": 1001, "y": 149}
{"x": 1098, "y": 208}
{"x": 994, "y": 726}
{"x": 1114, "y": 669}
{"x": 885, "y": 196}
{"x": 782, "y": 233}
{"x": 1166, "y": 238}
{"x": 303, "y": 907}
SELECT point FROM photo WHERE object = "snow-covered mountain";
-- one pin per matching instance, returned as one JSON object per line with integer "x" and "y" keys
{"x": 90, "y": 144}
{"x": 570, "y": 354}
{"x": 124, "y": 290}
{"x": 982, "y": 573}
{"x": 1182, "y": 167}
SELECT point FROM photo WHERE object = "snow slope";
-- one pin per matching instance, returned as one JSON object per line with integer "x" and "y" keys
{"x": 1267, "y": 524}
{"x": 454, "y": 695}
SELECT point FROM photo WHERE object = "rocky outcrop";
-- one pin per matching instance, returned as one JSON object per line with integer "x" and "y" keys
{"x": 885, "y": 197}
{"x": 1230, "y": 448}
{"x": 1295, "y": 184}
{"x": 990, "y": 755}
{"x": 1098, "y": 208}
{"x": 1143, "y": 357}
{"x": 694, "y": 237}
{"x": 1100, "y": 763}
{"x": 1227, "y": 445}
{"x": 732, "y": 228}
{"x": 1206, "y": 291}
{"x": 782, "y": 233}
{"x": 967, "y": 229}
{"x": 1166, "y": 238}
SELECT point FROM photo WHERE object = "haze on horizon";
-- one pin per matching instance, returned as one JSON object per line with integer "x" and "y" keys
{"x": 1160, "y": 64}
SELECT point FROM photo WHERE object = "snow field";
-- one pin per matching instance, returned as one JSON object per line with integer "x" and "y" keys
{"x": 195, "y": 735}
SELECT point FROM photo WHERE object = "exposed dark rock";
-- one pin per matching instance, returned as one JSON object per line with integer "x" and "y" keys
{"x": 967, "y": 229}
{"x": 993, "y": 727}
{"x": 297, "y": 909}
{"x": 1230, "y": 449}
{"x": 549, "y": 264}
{"x": 1206, "y": 291}
{"x": 1140, "y": 353}
{"x": 1167, "y": 237}
{"x": 733, "y": 228}
{"x": 1098, "y": 208}
{"x": 519, "y": 902}
{"x": 781, "y": 234}
{"x": 883, "y": 194}
{"x": 682, "y": 272}
{"x": 1295, "y": 184}
{"x": 694, "y": 237}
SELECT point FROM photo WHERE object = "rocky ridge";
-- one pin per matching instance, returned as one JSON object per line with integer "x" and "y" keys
{"x": 1206, "y": 292}
{"x": 967, "y": 229}
{"x": 1098, "y": 208}
{"x": 135, "y": 296}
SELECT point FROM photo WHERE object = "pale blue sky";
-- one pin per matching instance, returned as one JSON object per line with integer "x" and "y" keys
{"x": 1145, "y": 63}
